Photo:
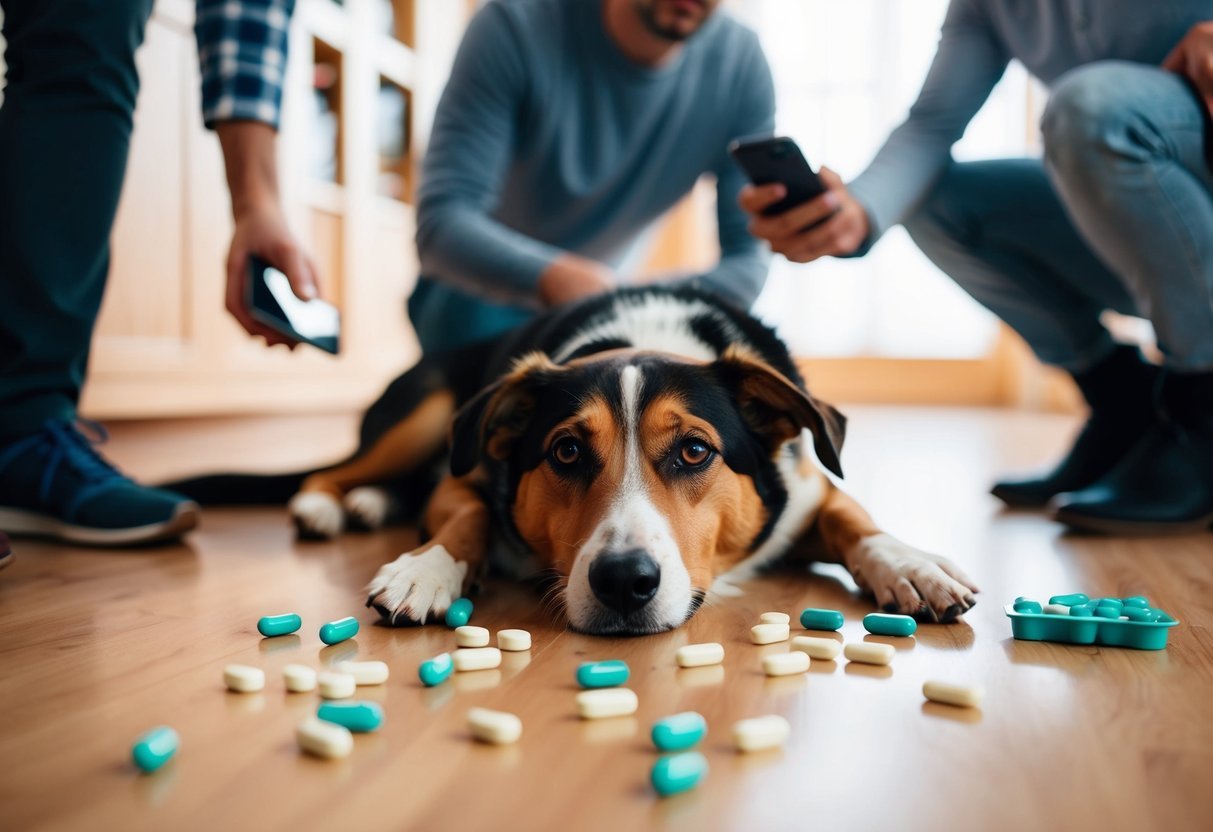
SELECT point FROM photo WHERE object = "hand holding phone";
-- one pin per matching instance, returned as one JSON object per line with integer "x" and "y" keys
{"x": 769, "y": 161}
{"x": 272, "y": 302}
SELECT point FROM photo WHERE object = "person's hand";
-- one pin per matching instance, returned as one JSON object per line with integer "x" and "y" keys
{"x": 1192, "y": 58}
{"x": 844, "y": 222}
{"x": 263, "y": 231}
{"x": 569, "y": 278}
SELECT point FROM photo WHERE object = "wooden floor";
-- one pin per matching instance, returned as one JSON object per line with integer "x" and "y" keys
{"x": 97, "y": 647}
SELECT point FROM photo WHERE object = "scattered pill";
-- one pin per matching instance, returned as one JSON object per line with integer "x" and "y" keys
{"x": 1108, "y": 612}
{"x": 884, "y": 624}
{"x": 948, "y": 693}
{"x": 155, "y": 748}
{"x": 1139, "y": 614}
{"x": 476, "y": 658}
{"x": 774, "y": 618}
{"x": 826, "y": 649}
{"x": 1056, "y": 609}
{"x": 698, "y": 655}
{"x": 606, "y": 702}
{"x": 679, "y": 732}
{"x": 299, "y": 678}
{"x": 336, "y": 685}
{"x": 1028, "y": 607}
{"x": 785, "y": 664}
{"x": 815, "y": 619}
{"x": 435, "y": 671}
{"x": 1073, "y": 599}
{"x": 1082, "y": 611}
{"x": 359, "y": 717}
{"x": 459, "y": 613}
{"x": 324, "y": 739}
{"x": 365, "y": 673}
{"x": 513, "y": 641}
{"x": 869, "y": 652}
{"x": 278, "y": 625}
{"x": 470, "y": 636}
{"x": 496, "y": 727}
{"x": 761, "y": 733}
{"x": 243, "y": 679}
{"x": 678, "y": 773}
{"x": 1136, "y": 601}
{"x": 769, "y": 633}
{"x": 608, "y": 674}
{"x": 337, "y": 631}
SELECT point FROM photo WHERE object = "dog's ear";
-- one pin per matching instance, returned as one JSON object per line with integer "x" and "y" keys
{"x": 489, "y": 423}
{"x": 777, "y": 410}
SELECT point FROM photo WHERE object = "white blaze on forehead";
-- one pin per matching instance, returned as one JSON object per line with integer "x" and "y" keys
{"x": 655, "y": 323}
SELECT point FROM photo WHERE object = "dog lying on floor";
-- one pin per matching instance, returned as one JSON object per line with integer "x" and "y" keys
{"x": 639, "y": 447}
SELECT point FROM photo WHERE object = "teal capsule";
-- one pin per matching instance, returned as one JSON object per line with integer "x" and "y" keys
{"x": 1071, "y": 600}
{"x": 678, "y": 773}
{"x": 278, "y": 625}
{"x": 155, "y": 748}
{"x": 608, "y": 674}
{"x": 813, "y": 619}
{"x": 679, "y": 732}
{"x": 1115, "y": 603}
{"x": 1030, "y": 607}
{"x": 359, "y": 717}
{"x": 1082, "y": 611}
{"x": 1136, "y": 601}
{"x": 883, "y": 624}
{"x": 459, "y": 613}
{"x": 435, "y": 671}
{"x": 1107, "y": 612}
{"x": 339, "y": 630}
{"x": 1139, "y": 614}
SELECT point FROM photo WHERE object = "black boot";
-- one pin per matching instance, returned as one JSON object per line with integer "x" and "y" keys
{"x": 1121, "y": 392}
{"x": 1165, "y": 484}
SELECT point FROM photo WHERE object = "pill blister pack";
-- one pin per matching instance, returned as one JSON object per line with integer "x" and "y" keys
{"x": 1077, "y": 619}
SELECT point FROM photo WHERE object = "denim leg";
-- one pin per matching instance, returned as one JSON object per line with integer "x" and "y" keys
{"x": 1124, "y": 149}
{"x": 999, "y": 230}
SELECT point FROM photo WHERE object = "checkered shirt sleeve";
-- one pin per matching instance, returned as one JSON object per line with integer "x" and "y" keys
{"x": 242, "y": 48}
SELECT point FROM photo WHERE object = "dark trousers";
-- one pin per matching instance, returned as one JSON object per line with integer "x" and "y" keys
{"x": 65, "y": 128}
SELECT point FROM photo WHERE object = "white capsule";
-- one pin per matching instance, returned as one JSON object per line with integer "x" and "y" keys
{"x": 604, "y": 702}
{"x": 324, "y": 739}
{"x": 949, "y": 693}
{"x": 243, "y": 679}
{"x": 869, "y": 652}
{"x": 785, "y": 664}
{"x": 336, "y": 685}
{"x": 826, "y": 649}
{"x": 471, "y": 636}
{"x": 365, "y": 673}
{"x": 1056, "y": 609}
{"x": 761, "y": 732}
{"x": 769, "y": 633}
{"x": 299, "y": 678}
{"x": 775, "y": 618}
{"x": 513, "y": 641}
{"x": 698, "y": 655}
{"x": 476, "y": 658}
{"x": 496, "y": 727}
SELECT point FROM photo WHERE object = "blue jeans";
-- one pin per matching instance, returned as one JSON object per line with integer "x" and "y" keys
{"x": 1118, "y": 215}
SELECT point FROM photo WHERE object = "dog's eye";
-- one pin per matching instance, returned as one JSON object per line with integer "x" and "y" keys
{"x": 694, "y": 453}
{"x": 566, "y": 451}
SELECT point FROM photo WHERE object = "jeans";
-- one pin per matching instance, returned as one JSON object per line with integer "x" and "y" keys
{"x": 1118, "y": 215}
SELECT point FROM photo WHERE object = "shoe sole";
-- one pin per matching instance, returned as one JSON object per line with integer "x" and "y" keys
{"x": 1014, "y": 501}
{"x": 31, "y": 524}
{"x": 1128, "y": 528}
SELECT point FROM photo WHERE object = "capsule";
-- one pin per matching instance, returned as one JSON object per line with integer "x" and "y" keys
{"x": 700, "y": 655}
{"x": 949, "y": 693}
{"x": 435, "y": 671}
{"x": 365, "y": 673}
{"x": 606, "y": 702}
{"x": 155, "y": 748}
{"x": 494, "y": 727}
{"x": 679, "y": 732}
{"x": 1082, "y": 611}
{"x": 324, "y": 739}
{"x": 1139, "y": 614}
{"x": 338, "y": 631}
{"x": 1071, "y": 600}
{"x": 1028, "y": 606}
{"x": 608, "y": 674}
{"x": 468, "y": 636}
{"x": 769, "y": 633}
{"x": 336, "y": 685}
{"x": 678, "y": 773}
{"x": 1056, "y": 609}
{"x": 825, "y": 649}
{"x": 359, "y": 717}
{"x": 785, "y": 664}
{"x": 761, "y": 733}
{"x": 814, "y": 619}
{"x": 774, "y": 618}
{"x": 459, "y": 613}
{"x": 476, "y": 658}
{"x": 1136, "y": 601}
{"x": 1107, "y": 612}
{"x": 869, "y": 652}
{"x": 278, "y": 625}
{"x": 299, "y": 678}
{"x": 243, "y": 679}
{"x": 513, "y": 641}
{"x": 1110, "y": 602}
{"x": 883, "y": 624}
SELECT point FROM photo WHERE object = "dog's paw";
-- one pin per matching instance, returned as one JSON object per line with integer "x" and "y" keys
{"x": 316, "y": 514}
{"x": 417, "y": 588}
{"x": 368, "y": 506}
{"x": 911, "y": 582}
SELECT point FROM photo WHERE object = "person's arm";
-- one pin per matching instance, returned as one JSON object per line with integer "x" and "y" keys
{"x": 242, "y": 50}
{"x": 469, "y": 153}
{"x": 1192, "y": 58}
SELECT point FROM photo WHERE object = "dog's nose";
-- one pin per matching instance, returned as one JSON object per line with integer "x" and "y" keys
{"x": 625, "y": 581}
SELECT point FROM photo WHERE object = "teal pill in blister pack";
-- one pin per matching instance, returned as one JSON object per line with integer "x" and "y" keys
{"x": 435, "y": 671}
{"x": 679, "y": 732}
{"x": 1027, "y": 605}
{"x": 884, "y": 624}
{"x": 1139, "y": 614}
{"x": 278, "y": 625}
{"x": 815, "y": 619}
{"x": 1136, "y": 601}
{"x": 155, "y": 748}
{"x": 1070, "y": 600}
{"x": 608, "y": 674}
{"x": 1114, "y": 603}
{"x": 459, "y": 613}
{"x": 359, "y": 717}
{"x": 678, "y": 773}
{"x": 1093, "y": 622}
{"x": 338, "y": 631}
{"x": 1107, "y": 612}
{"x": 1080, "y": 611}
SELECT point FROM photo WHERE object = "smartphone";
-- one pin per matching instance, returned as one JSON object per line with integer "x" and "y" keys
{"x": 272, "y": 303}
{"x": 767, "y": 160}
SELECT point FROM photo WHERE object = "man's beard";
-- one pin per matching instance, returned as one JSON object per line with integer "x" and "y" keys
{"x": 648, "y": 16}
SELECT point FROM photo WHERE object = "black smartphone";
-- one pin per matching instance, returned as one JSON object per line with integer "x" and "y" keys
{"x": 272, "y": 302}
{"x": 777, "y": 159}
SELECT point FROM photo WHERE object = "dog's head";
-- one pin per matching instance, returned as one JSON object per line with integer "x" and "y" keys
{"x": 638, "y": 477}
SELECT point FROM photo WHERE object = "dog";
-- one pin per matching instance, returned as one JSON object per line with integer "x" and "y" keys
{"x": 642, "y": 448}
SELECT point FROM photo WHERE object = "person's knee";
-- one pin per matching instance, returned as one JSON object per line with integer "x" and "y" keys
{"x": 944, "y": 219}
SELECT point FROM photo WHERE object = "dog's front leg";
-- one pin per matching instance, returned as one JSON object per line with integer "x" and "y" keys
{"x": 420, "y": 585}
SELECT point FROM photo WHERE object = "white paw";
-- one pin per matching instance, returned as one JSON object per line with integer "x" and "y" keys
{"x": 317, "y": 513}
{"x": 911, "y": 581}
{"x": 368, "y": 505}
{"x": 418, "y": 587}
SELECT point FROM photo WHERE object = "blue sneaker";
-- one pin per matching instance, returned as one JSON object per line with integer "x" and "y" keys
{"x": 55, "y": 484}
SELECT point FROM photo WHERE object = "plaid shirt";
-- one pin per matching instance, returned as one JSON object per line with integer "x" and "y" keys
{"x": 242, "y": 53}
